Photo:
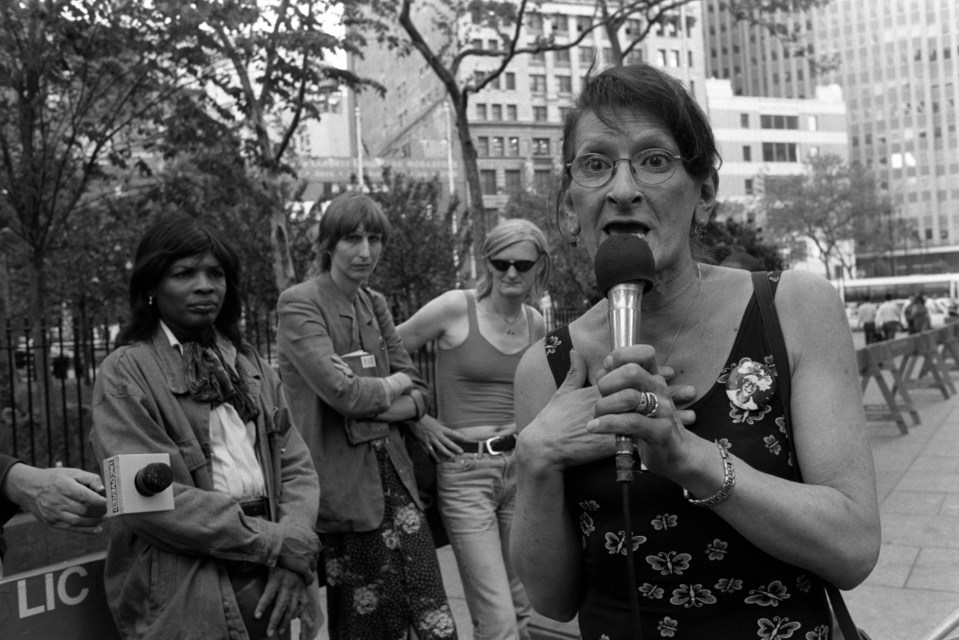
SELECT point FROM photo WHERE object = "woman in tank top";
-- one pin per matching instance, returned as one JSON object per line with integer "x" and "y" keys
{"x": 480, "y": 335}
{"x": 727, "y": 541}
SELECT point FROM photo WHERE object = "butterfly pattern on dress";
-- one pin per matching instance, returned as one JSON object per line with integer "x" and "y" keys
{"x": 693, "y": 569}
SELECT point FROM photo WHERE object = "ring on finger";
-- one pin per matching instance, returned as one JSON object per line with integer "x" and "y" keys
{"x": 648, "y": 404}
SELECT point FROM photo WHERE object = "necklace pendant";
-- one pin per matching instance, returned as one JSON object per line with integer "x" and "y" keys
{"x": 509, "y": 331}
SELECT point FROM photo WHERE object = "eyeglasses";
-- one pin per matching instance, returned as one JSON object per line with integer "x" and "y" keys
{"x": 651, "y": 166}
{"x": 521, "y": 266}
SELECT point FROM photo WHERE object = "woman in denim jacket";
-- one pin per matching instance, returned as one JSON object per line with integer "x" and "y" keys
{"x": 236, "y": 557}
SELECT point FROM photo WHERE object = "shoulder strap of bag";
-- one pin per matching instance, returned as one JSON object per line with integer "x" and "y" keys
{"x": 776, "y": 343}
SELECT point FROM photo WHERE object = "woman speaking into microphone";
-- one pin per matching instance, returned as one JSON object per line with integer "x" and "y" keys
{"x": 731, "y": 535}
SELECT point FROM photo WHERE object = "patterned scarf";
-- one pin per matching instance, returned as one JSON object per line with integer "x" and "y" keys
{"x": 211, "y": 379}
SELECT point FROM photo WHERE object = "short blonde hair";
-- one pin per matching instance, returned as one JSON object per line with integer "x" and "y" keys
{"x": 506, "y": 234}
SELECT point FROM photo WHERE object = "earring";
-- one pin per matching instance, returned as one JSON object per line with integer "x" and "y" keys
{"x": 150, "y": 300}
{"x": 573, "y": 242}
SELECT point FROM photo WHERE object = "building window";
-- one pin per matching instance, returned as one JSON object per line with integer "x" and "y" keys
{"x": 476, "y": 43}
{"x": 563, "y": 113}
{"x": 495, "y": 83}
{"x": 535, "y": 22}
{"x": 482, "y": 146}
{"x": 747, "y": 153}
{"x": 561, "y": 58}
{"x": 778, "y": 122}
{"x": 510, "y": 81}
{"x": 748, "y": 186}
{"x": 513, "y": 146}
{"x": 537, "y": 83}
{"x": 586, "y": 55}
{"x": 538, "y": 58}
{"x": 633, "y": 27}
{"x": 514, "y": 182}
{"x": 497, "y": 150}
{"x": 565, "y": 84}
{"x": 497, "y": 112}
{"x": 480, "y": 111}
{"x": 674, "y": 58}
{"x": 540, "y": 146}
{"x": 813, "y": 123}
{"x": 488, "y": 181}
{"x": 744, "y": 120}
{"x": 560, "y": 23}
{"x": 661, "y": 57}
{"x": 511, "y": 112}
{"x": 583, "y": 23}
{"x": 539, "y": 114}
{"x": 779, "y": 152}
{"x": 542, "y": 180}
{"x": 492, "y": 45}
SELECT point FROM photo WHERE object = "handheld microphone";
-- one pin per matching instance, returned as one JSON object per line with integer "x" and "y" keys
{"x": 625, "y": 269}
{"x": 138, "y": 483}
{"x": 153, "y": 478}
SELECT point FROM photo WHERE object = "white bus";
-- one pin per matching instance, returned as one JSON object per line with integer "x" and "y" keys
{"x": 937, "y": 285}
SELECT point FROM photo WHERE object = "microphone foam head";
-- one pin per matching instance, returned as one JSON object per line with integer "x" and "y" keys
{"x": 153, "y": 478}
{"x": 624, "y": 258}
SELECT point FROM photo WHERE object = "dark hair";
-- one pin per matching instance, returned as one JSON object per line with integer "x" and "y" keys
{"x": 167, "y": 241}
{"x": 344, "y": 215}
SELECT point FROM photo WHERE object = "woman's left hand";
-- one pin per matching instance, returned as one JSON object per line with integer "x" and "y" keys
{"x": 287, "y": 591}
{"x": 663, "y": 441}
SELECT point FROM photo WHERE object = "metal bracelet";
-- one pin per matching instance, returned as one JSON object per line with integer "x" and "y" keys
{"x": 729, "y": 481}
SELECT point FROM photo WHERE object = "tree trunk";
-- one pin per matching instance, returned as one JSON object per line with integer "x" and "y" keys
{"x": 283, "y": 272}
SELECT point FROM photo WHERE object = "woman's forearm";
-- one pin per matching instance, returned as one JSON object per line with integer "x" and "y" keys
{"x": 542, "y": 523}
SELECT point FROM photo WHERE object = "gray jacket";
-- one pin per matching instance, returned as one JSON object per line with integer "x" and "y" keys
{"x": 164, "y": 572}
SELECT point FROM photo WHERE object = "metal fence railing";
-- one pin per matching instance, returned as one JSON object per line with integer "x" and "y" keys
{"x": 47, "y": 373}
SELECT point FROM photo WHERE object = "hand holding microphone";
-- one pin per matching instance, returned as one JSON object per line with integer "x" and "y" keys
{"x": 625, "y": 269}
{"x": 138, "y": 483}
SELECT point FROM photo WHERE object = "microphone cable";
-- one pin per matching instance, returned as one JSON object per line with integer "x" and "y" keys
{"x": 631, "y": 564}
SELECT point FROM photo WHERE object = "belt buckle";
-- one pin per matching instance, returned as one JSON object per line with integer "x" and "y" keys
{"x": 488, "y": 444}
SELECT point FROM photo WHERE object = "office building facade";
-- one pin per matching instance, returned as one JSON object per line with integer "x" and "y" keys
{"x": 897, "y": 62}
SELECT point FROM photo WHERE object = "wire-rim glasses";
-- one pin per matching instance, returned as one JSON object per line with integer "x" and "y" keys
{"x": 650, "y": 166}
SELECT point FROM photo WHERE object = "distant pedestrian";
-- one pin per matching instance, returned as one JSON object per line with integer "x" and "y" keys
{"x": 867, "y": 320}
{"x": 917, "y": 315}
{"x": 887, "y": 318}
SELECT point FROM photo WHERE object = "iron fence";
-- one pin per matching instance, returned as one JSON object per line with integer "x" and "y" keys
{"x": 46, "y": 380}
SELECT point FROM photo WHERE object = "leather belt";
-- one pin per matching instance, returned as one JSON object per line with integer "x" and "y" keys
{"x": 493, "y": 446}
{"x": 256, "y": 507}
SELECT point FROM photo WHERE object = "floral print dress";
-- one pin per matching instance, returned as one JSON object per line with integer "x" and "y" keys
{"x": 697, "y": 577}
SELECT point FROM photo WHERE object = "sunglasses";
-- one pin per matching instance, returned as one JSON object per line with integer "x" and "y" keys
{"x": 521, "y": 266}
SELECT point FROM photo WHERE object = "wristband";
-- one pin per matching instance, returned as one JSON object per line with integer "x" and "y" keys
{"x": 729, "y": 481}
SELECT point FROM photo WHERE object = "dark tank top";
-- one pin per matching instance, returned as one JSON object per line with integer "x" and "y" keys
{"x": 698, "y": 578}
{"x": 475, "y": 379}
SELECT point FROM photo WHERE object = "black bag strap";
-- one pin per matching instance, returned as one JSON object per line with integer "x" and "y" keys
{"x": 776, "y": 343}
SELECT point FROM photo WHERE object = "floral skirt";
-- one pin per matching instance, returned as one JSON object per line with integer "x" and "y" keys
{"x": 380, "y": 583}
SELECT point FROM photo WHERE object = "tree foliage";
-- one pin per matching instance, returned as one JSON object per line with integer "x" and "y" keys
{"x": 729, "y": 235}
{"x": 266, "y": 66}
{"x": 419, "y": 262}
{"x": 832, "y": 204}
{"x": 77, "y": 82}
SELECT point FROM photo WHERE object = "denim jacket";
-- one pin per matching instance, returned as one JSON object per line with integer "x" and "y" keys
{"x": 164, "y": 573}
